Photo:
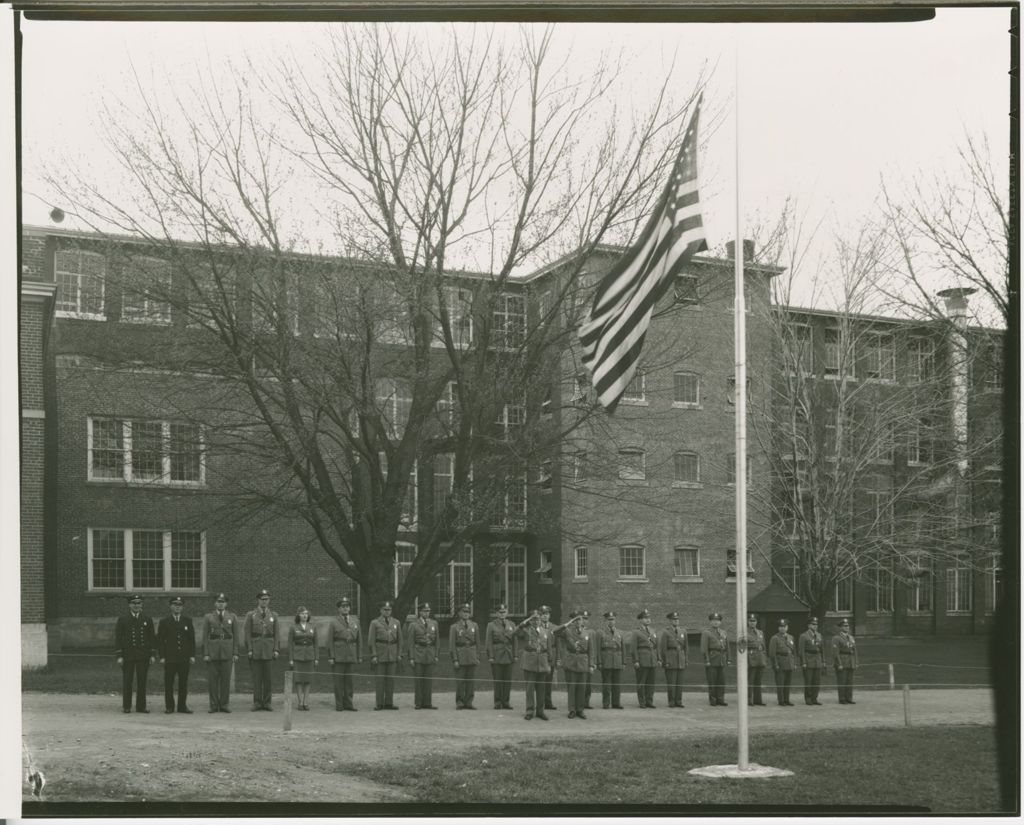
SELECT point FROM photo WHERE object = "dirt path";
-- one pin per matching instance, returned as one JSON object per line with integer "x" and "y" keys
{"x": 83, "y": 743}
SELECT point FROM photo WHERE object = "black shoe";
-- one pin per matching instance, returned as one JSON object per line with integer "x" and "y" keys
{"x": 650, "y": 705}
{"x": 815, "y": 702}
{"x": 528, "y": 716}
{"x": 459, "y": 706}
{"x": 213, "y": 710}
{"x": 225, "y": 710}
{"x": 507, "y": 707}
{"x": 352, "y": 709}
{"x": 588, "y": 707}
{"x": 470, "y": 707}
{"x": 550, "y": 707}
{"x": 848, "y": 701}
{"x": 390, "y": 707}
{"x": 617, "y": 707}
{"x": 168, "y": 710}
{"x": 256, "y": 707}
{"x": 379, "y": 707}
{"x": 185, "y": 710}
{"x": 572, "y": 714}
{"x": 580, "y": 714}
{"x": 542, "y": 716}
{"x": 605, "y": 707}
{"x": 337, "y": 708}
{"x": 126, "y": 710}
{"x": 425, "y": 707}
{"x": 497, "y": 705}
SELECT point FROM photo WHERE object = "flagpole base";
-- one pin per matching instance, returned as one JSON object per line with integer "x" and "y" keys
{"x": 752, "y": 771}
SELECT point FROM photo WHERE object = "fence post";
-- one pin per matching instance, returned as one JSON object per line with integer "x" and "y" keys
{"x": 892, "y": 677}
{"x": 906, "y": 705}
{"x": 288, "y": 677}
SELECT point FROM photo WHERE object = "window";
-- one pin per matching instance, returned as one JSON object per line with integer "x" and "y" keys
{"x": 994, "y": 371}
{"x": 730, "y": 564}
{"x": 394, "y": 325}
{"x": 636, "y": 390}
{"x": 730, "y": 469}
{"x": 581, "y": 389}
{"x": 211, "y": 297}
{"x": 328, "y": 299}
{"x": 687, "y": 290}
{"x": 510, "y": 504}
{"x": 146, "y": 298}
{"x": 275, "y": 302}
{"x": 796, "y": 434}
{"x": 454, "y": 584}
{"x": 127, "y": 559}
{"x": 508, "y": 582}
{"x": 686, "y": 389}
{"x": 730, "y": 391}
{"x": 884, "y": 447}
{"x": 686, "y": 563}
{"x": 880, "y": 508}
{"x": 787, "y": 575}
{"x": 919, "y": 442}
{"x": 880, "y": 357}
{"x": 578, "y": 305}
{"x": 394, "y": 399}
{"x": 632, "y": 465}
{"x": 834, "y": 361}
{"x": 511, "y": 418}
{"x": 509, "y": 321}
{"x": 579, "y": 466}
{"x": 162, "y": 452}
{"x": 448, "y": 408}
{"x": 878, "y": 589}
{"x": 410, "y": 503}
{"x": 350, "y": 587}
{"x": 920, "y": 360}
{"x": 80, "y": 277}
{"x": 800, "y": 352}
{"x": 959, "y": 586}
{"x": 405, "y": 555}
{"x": 544, "y": 570}
{"x": 444, "y": 479}
{"x": 687, "y": 467}
{"x": 921, "y": 585}
{"x": 993, "y": 584}
{"x": 842, "y": 596}
{"x": 458, "y": 311}
{"x": 544, "y": 479}
{"x": 632, "y": 563}
{"x": 579, "y": 569}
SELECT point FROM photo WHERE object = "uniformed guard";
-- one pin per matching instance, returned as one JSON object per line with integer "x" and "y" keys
{"x": 221, "y": 641}
{"x": 757, "y": 659}
{"x": 844, "y": 659}
{"x": 262, "y": 647}
{"x": 344, "y": 652}
{"x": 782, "y": 655}
{"x": 672, "y": 653}
{"x": 811, "y": 652}
{"x": 384, "y": 643}
{"x": 643, "y": 652}
{"x": 575, "y": 655}
{"x": 588, "y": 632}
{"x": 500, "y": 648}
{"x": 134, "y": 646}
{"x": 714, "y": 647}
{"x": 464, "y": 644}
{"x": 535, "y": 642}
{"x": 549, "y": 676}
{"x": 303, "y": 654}
{"x": 176, "y": 646}
{"x": 610, "y": 645}
{"x": 423, "y": 640}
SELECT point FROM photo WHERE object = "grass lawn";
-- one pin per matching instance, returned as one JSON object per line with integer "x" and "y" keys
{"x": 940, "y": 769}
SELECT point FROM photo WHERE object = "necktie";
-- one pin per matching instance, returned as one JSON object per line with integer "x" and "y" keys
{"x": 220, "y": 615}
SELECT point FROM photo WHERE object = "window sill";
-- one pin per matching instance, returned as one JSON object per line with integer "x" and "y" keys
{"x": 874, "y": 614}
{"x": 149, "y": 483}
{"x": 622, "y": 580}
{"x": 684, "y": 405}
{"x": 581, "y": 579}
{"x": 732, "y": 580}
{"x": 152, "y": 322}
{"x": 877, "y": 380}
{"x": 634, "y": 402}
{"x": 959, "y": 612}
{"x": 830, "y": 377}
{"x": 688, "y": 579}
{"x": 919, "y": 613}
{"x": 690, "y": 485}
{"x": 150, "y": 591}
{"x": 632, "y": 482}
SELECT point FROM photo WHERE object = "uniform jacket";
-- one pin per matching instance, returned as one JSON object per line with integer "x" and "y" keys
{"x": 344, "y": 640}
{"x": 610, "y": 646}
{"x": 134, "y": 637}
{"x": 844, "y": 651}
{"x": 782, "y": 652}
{"x": 261, "y": 634}
{"x": 643, "y": 647}
{"x": 811, "y": 650}
{"x": 714, "y": 647}
{"x": 302, "y": 643}
{"x": 423, "y": 640}
{"x": 220, "y": 636}
{"x": 550, "y": 628}
{"x": 176, "y": 640}
{"x": 500, "y": 642}
{"x": 384, "y": 639}
{"x": 575, "y": 648}
{"x": 464, "y": 643}
{"x": 672, "y": 648}
{"x": 536, "y": 644}
{"x": 756, "y": 656}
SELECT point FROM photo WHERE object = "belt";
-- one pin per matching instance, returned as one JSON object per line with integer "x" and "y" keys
{"x": 465, "y": 644}
{"x": 303, "y": 642}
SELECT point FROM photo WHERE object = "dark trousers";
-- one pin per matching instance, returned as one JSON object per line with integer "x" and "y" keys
{"x": 715, "y": 675}
{"x": 782, "y": 682}
{"x": 588, "y": 690}
{"x": 674, "y": 686}
{"x": 134, "y": 669}
{"x": 754, "y": 677}
{"x": 260, "y": 682}
{"x": 501, "y": 675}
{"x": 812, "y": 684}
{"x": 343, "y": 685}
{"x": 384, "y": 682}
{"x": 611, "y": 687}
{"x": 844, "y": 681}
{"x": 549, "y": 679}
{"x": 177, "y": 670}
{"x": 645, "y": 686}
{"x": 218, "y": 673}
{"x": 534, "y": 690}
{"x": 464, "y": 690}
{"x": 575, "y": 688}
{"x": 423, "y": 692}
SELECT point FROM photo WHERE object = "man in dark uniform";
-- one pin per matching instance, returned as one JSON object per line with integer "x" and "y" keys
{"x": 423, "y": 640}
{"x": 643, "y": 652}
{"x": 610, "y": 645}
{"x": 549, "y": 676}
{"x": 588, "y": 688}
{"x": 464, "y": 645}
{"x": 134, "y": 643}
{"x": 811, "y": 652}
{"x": 574, "y": 654}
{"x": 757, "y": 659}
{"x": 221, "y": 642}
{"x": 536, "y": 645}
{"x": 176, "y": 644}
{"x": 844, "y": 659}
{"x": 500, "y": 648}
{"x": 672, "y": 653}
{"x": 262, "y": 647}
{"x": 782, "y": 655}
{"x": 714, "y": 647}
{"x": 344, "y": 652}
{"x": 384, "y": 643}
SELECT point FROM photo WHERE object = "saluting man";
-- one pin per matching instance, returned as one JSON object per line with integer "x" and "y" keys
{"x": 782, "y": 655}
{"x": 221, "y": 642}
{"x": 384, "y": 642}
{"x": 811, "y": 652}
{"x": 176, "y": 644}
{"x": 610, "y": 645}
{"x": 500, "y": 648}
{"x": 757, "y": 659}
{"x": 844, "y": 659}
{"x": 536, "y": 644}
{"x": 643, "y": 652}
{"x": 262, "y": 647}
{"x": 672, "y": 652}
{"x": 423, "y": 640}
{"x": 344, "y": 652}
{"x": 549, "y": 676}
{"x": 464, "y": 644}
{"x": 575, "y": 655}
{"x": 134, "y": 646}
{"x": 714, "y": 647}
{"x": 588, "y": 687}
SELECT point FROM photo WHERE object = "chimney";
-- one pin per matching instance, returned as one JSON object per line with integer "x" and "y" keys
{"x": 956, "y": 310}
{"x": 748, "y": 250}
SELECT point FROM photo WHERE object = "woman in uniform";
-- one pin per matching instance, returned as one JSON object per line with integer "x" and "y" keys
{"x": 302, "y": 654}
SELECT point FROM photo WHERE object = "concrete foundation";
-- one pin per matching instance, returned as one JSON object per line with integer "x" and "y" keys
{"x": 752, "y": 771}
{"x": 33, "y": 645}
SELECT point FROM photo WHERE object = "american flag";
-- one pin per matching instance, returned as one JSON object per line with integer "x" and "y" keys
{"x": 613, "y": 335}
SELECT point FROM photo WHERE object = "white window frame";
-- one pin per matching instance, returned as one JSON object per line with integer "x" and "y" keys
{"x": 444, "y": 475}
{"x": 684, "y": 482}
{"x": 580, "y": 389}
{"x": 458, "y": 309}
{"x": 579, "y": 466}
{"x": 884, "y": 449}
{"x": 545, "y": 567}
{"x": 448, "y": 572}
{"x": 920, "y": 444}
{"x": 875, "y": 590}
{"x": 802, "y": 353}
{"x": 880, "y": 357}
{"x": 686, "y": 405}
{"x": 730, "y": 469}
{"x": 686, "y": 577}
{"x": 142, "y": 308}
{"x": 393, "y": 395}
{"x": 625, "y": 473}
{"x": 580, "y": 563}
{"x": 843, "y": 589}
{"x": 505, "y": 518}
{"x": 992, "y": 572}
{"x": 922, "y": 587}
{"x": 402, "y": 564}
{"x": 448, "y": 407}
{"x": 78, "y": 276}
{"x": 921, "y": 359}
{"x": 730, "y": 565}
{"x": 512, "y": 420}
{"x": 509, "y": 321}
{"x": 164, "y": 479}
{"x": 629, "y": 396}
{"x": 959, "y": 588}
{"x": 129, "y": 584}
{"x": 681, "y": 297}
{"x": 501, "y": 574}
{"x": 410, "y": 516}
{"x": 633, "y": 577}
